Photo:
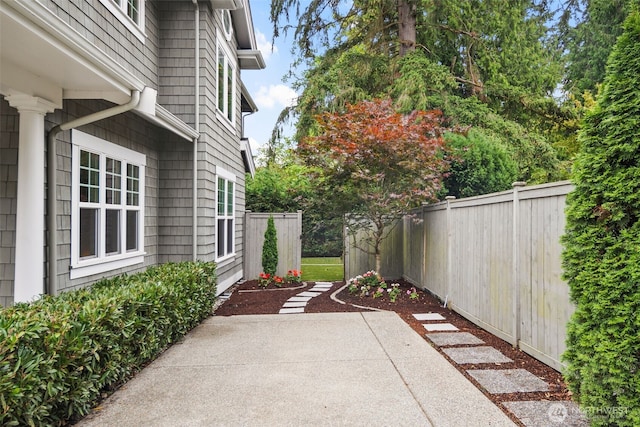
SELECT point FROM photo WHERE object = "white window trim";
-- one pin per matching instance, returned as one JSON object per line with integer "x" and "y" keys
{"x": 225, "y": 14}
{"x": 222, "y": 115}
{"x": 120, "y": 12}
{"x": 229, "y": 177}
{"x": 101, "y": 264}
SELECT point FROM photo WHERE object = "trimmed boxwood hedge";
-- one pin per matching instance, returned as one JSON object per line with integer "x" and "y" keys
{"x": 58, "y": 354}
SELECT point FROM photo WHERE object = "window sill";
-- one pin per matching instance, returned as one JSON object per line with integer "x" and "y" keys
{"x": 89, "y": 268}
{"x": 227, "y": 259}
{"x": 225, "y": 121}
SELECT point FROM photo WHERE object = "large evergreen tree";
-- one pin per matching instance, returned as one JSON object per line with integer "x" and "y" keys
{"x": 598, "y": 23}
{"x": 481, "y": 68}
{"x": 601, "y": 259}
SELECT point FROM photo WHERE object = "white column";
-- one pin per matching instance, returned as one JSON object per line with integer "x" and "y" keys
{"x": 29, "y": 256}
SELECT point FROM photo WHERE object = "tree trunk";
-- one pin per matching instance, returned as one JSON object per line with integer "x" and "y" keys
{"x": 406, "y": 26}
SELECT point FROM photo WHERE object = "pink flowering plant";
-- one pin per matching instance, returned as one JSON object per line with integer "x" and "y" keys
{"x": 365, "y": 283}
{"x": 371, "y": 284}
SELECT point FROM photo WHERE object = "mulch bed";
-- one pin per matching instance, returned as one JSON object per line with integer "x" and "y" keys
{"x": 249, "y": 298}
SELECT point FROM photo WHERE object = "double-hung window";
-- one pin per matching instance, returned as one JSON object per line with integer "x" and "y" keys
{"x": 225, "y": 221}
{"x": 130, "y": 13}
{"x": 107, "y": 197}
{"x": 226, "y": 81}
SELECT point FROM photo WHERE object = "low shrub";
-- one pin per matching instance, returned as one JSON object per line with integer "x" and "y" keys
{"x": 58, "y": 354}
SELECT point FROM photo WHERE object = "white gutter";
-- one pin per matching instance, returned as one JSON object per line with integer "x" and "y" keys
{"x": 52, "y": 183}
{"x": 194, "y": 249}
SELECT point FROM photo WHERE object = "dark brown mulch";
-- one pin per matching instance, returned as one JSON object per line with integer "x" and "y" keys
{"x": 248, "y": 298}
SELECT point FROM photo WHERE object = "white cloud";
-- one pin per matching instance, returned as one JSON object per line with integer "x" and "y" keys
{"x": 265, "y": 46}
{"x": 275, "y": 95}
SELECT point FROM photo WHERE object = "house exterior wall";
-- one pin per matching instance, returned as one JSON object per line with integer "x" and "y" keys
{"x": 105, "y": 31}
{"x": 159, "y": 146}
{"x": 163, "y": 61}
{"x": 8, "y": 200}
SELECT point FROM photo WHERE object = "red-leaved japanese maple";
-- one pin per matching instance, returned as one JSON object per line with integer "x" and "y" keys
{"x": 380, "y": 163}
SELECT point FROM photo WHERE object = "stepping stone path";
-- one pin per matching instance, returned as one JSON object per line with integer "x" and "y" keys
{"x": 499, "y": 381}
{"x": 296, "y": 304}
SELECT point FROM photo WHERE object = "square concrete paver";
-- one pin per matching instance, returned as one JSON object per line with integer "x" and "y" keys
{"x": 508, "y": 380}
{"x": 439, "y": 327}
{"x": 545, "y": 413}
{"x": 428, "y": 316}
{"x": 454, "y": 338}
{"x": 483, "y": 354}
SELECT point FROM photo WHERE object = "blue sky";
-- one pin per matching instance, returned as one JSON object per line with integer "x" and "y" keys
{"x": 266, "y": 86}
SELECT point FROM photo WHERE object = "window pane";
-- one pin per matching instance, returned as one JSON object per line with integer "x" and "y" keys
{"x": 89, "y": 177}
{"x": 132, "y": 230}
{"x": 133, "y": 185}
{"x": 221, "y": 196}
{"x": 229, "y": 198}
{"x": 132, "y": 10}
{"x": 113, "y": 178}
{"x": 229, "y": 236}
{"x": 229, "y": 92}
{"x": 88, "y": 233}
{"x": 221, "y": 80}
{"x": 112, "y": 232}
{"x": 221, "y": 238}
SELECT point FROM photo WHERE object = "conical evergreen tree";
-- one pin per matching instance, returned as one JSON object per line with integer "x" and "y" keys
{"x": 270, "y": 248}
{"x": 601, "y": 259}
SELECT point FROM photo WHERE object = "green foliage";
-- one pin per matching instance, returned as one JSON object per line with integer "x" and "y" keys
{"x": 58, "y": 354}
{"x": 601, "y": 259}
{"x": 480, "y": 165}
{"x": 270, "y": 249}
{"x": 590, "y": 41}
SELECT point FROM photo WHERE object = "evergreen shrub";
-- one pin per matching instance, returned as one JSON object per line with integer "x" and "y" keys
{"x": 270, "y": 249}
{"x": 601, "y": 258}
{"x": 59, "y": 354}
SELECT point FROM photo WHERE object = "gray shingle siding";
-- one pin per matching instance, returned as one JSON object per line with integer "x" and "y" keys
{"x": 100, "y": 27}
{"x": 9, "y": 125}
{"x": 165, "y": 61}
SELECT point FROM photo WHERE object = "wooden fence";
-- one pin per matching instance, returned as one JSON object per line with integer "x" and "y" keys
{"x": 289, "y": 232}
{"x": 495, "y": 259}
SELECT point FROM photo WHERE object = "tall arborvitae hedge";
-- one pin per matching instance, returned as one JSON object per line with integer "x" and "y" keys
{"x": 601, "y": 258}
{"x": 270, "y": 249}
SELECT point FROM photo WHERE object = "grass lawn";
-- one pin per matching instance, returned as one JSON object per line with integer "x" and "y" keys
{"x": 322, "y": 269}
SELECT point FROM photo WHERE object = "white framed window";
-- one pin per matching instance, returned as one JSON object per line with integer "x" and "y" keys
{"x": 225, "y": 214}
{"x": 226, "y": 81}
{"x": 107, "y": 206}
{"x": 130, "y": 13}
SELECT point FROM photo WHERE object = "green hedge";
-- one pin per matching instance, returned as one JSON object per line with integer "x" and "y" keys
{"x": 59, "y": 353}
{"x": 601, "y": 259}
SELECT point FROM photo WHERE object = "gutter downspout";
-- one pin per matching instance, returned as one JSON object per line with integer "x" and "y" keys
{"x": 52, "y": 183}
{"x": 194, "y": 249}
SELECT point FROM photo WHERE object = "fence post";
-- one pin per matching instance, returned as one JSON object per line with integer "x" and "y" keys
{"x": 449, "y": 248}
{"x": 516, "y": 262}
{"x": 245, "y": 240}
